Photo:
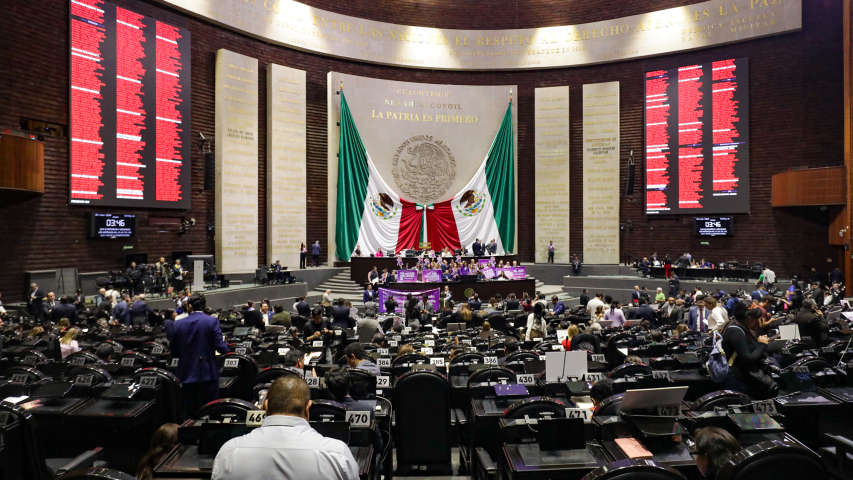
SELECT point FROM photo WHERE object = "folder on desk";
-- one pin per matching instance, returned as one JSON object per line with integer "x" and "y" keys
{"x": 633, "y": 448}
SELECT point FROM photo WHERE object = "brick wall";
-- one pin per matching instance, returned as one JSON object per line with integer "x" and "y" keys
{"x": 796, "y": 115}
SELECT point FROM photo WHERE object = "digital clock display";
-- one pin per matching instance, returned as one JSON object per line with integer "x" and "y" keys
{"x": 109, "y": 225}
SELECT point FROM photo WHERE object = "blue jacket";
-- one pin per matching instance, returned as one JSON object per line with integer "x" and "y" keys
{"x": 559, "y": 308}
{"x": 139, "y": 307}
{"x": 121, "y": 312}
{"x": 194, "y": 341}
{"x": 693, "y": 317}
{"x": 315, "y": 249}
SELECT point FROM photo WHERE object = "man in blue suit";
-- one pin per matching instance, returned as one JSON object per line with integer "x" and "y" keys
{"x": 195, "y": 341}
{"x": 140, "y": 309}
{"x": 121, "y": 312}
{"x": 369, "y": 295}
{"x": 697, "y": 317}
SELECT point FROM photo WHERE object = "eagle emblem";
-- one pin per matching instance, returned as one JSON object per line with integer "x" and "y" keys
{"x": 383, "y": 206}
{"x": 471, "y": 203}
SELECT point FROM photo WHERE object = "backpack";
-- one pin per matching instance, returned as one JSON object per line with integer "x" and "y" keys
{"x": 717, "y": 366}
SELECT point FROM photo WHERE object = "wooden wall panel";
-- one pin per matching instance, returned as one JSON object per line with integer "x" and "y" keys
{"x": 21, "y": 164}
{"x": 812, "y": 186}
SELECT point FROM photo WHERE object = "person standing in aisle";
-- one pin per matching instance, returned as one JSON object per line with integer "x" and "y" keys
{"x": 551, "y": 251}
{"x": 195, "y": 341}
{"x": 315, "y": 254}
{"x": 303, "y": 254}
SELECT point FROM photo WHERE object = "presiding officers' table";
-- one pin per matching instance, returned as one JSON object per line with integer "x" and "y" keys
{"x": 485, "y": 289}
{"x": 361, "y": 266}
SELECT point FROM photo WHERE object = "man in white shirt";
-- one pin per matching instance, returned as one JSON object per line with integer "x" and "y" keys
{"x": 769, "y": 277}
{"x": 285, "y": 446}
{"x": 594, "y": 303}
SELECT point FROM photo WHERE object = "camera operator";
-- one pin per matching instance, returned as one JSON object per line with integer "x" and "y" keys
{"x": 746, "y": 354}
{"x": 812, "y": 323}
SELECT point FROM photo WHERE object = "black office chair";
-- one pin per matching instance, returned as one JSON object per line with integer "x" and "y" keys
{"x": 536, "y": 407}
{"x": 814, "y": 364}
{"x": 838, "y": 456}
{"x": 466, "y": 358}
{"x": 117, "y": 347}
{"x": 32, "y": 357}
{"x": 362, "y": 384}
{"x": 491, "y": 374}
{"x": 587, "y": 341}
{"x": 521, "y": 356}
{"x": 132, "y": 361}
{"x": 99, "y": 375}
{"x": 172, "y": 394}
{"x": 87, "y": 358}
{"x": 20, "y": 437}
{"x": 620, "y": 340}
{"x": 243, "y": 374}
{"x": 327, "y": 411}
{"x": 498, "y": 322}
{"x": 402, "y": 364}
{"x": 96, "y": 473}
{"x": 423, "y": 419}
{"x": 634, "y": 470}
{"x": 298, "y": 321}
{"x": 720, "y": 398}
{"x": 610, "y": 405}
{"x": 773, "y": 460}
{"x": 235, "y": 408}
{"x": 270, "y": 374}
{"x": 629, "y": 370}
{"x": 33, "y": 375}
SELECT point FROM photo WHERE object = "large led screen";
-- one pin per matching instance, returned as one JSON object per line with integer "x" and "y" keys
{"x": 130, "y": 109}
{"x": 697, "y": 139}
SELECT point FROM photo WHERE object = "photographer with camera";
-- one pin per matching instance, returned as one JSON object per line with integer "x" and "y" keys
{"x": 812, "y": 323}
{"x": 748, "y": 366}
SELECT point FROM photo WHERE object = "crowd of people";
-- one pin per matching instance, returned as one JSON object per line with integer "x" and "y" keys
{"x": 452, "y": 268}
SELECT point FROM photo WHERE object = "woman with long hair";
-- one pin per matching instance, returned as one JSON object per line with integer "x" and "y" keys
{"x": 745, "y": 353}
{"x": 615, "y": 314}
{"x": 162, "y": 442}
{"x": 595, "y": 320}
{"x": 464, "y": 315}
{"x": 570, "y": 332}
{"x": 68, "y": 344}
{"x": 536, "y": 325}
{"x": 303, "y": 254}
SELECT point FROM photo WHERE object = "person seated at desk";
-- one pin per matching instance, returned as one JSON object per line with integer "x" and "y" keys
{"x": 318, "y": 325}
{"x": 380, "y": 253}
{"x": 474, "y": 302}
{"x": 463, "y": 314}
{"x": 162, "y": 442}
{"x": 645, "y": 267}
{"x": 338, "y": 385}
{"x": 487, "y": 333}
{"x": 559, "y": 306}
{"x": 712, "y": 448}
{"x": 295, "y": 451}
{"x": 571, "y": 331}
{"x": 600, "y": 391}
{"x": 811, "y": 322}
{"x": 502, "y": 277}
{"x": 68, "y": 344}
{"x": 356, "y": 357}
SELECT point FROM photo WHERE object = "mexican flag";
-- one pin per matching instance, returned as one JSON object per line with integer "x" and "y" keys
{"x": 372, "y": 217}
{"x": 368, "y": 211}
